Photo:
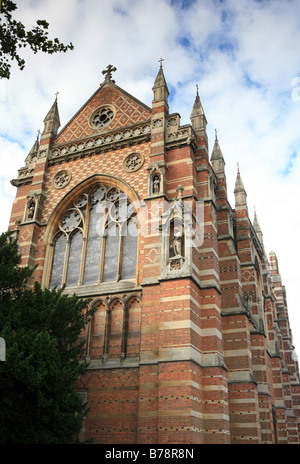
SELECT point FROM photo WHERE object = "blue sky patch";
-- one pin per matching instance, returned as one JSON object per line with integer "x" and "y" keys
{"x": 118, "y": 10}
{"x": 184, "y": 42}
{"x": 183, "y": 4}
{"x": 251, "y": 83}
{"x": 172, "y": 91}
{"x": 226, "y": 46}
{"x": 288, "y": 168}
{"x": 20, "y": 141}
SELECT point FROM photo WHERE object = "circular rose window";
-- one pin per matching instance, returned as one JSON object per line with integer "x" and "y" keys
{"x": 101, "y": 117}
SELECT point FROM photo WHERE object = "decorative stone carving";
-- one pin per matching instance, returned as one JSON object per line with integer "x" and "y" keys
{"x": 179, "y": 136}
{"x": 61, "y": 179}
{"x": 176, "y": 264}
{"x": 157, "y": 123}
{"x": 117, "y": 139}
{"x": 133, "y": 162}
{"x": 25, "y": 172}
{"x": 172, "y": 121}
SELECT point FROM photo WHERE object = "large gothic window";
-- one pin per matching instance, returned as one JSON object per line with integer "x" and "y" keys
{"x": 95, "y": 240}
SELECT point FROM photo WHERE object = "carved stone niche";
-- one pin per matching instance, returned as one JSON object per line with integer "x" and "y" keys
{"x": 212, "y": 187}
{"x": 31, "y": 209}
{"x": 176, "y": 243}
{"x": 155, "y": 181}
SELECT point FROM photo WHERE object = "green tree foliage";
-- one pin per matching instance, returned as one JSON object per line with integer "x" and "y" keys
{"x": 14, "y": 36}
{"x": 41, "y": 328}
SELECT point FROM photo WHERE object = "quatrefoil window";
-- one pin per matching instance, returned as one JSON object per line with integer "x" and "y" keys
{"x": 102, "y": 117}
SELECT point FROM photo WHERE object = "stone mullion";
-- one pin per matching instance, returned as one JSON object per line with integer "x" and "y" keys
{"x": 90, "y": 335}
{"x": 84, "y": 244}
{"x": 50, "y": 267}
{"x": 121, "y": 241}
{"x": 66, "y": 261}
{"x": 107, "y": 333}
{"x": 103, "y": 245}
{"x": 124, "y": 331}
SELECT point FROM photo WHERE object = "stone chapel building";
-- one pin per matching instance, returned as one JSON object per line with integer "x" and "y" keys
{"x": 191, "y": 341}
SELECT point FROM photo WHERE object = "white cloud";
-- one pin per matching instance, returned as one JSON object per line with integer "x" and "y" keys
{"x": 243, "y": 55}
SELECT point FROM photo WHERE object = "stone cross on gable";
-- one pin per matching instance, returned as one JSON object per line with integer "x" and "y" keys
{"x": 107, "y": 72}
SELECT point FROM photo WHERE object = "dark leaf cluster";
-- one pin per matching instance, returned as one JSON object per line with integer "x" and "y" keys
{"x": 14, "y": 37}
{"x": 41, "y": 328}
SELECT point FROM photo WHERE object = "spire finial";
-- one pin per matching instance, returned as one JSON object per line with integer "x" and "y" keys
{"x": 238, "y": 168}
{"x": 197, "y": 90}
{"x": 38, "y": 135}
{"x": 56, "y": 95}
{"x": 160, "y": 61}
{"x": 216, "y": 135}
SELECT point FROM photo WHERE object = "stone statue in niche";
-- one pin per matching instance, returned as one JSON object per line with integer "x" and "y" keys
{"x": 176, "y": 250}
{"x": 31, "y": 210}
{"x": 176, "y": 243}
{"x": 156, "y": 184}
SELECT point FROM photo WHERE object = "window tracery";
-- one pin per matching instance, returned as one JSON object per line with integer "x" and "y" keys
{"x": 101, "y": 117}
{"x": 62, "y": 179}
{"x": 95, "y": 240}
{"x": 133, "y": 162}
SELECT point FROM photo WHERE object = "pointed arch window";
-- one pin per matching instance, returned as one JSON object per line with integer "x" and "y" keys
{"x": 95, "y": 240}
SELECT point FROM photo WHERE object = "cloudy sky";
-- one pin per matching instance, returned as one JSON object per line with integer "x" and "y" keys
{"x": 243, "y": 55}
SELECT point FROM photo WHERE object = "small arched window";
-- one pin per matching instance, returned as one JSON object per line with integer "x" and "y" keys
{"x": 95, "y": 240}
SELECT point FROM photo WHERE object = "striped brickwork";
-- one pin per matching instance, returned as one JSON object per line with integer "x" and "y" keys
{"x": 197, "y": 350}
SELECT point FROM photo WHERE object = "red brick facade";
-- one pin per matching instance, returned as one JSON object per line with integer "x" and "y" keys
{"x": 197, "y": 347}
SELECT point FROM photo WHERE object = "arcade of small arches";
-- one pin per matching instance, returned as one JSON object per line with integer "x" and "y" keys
{"x": 114, "y": 329}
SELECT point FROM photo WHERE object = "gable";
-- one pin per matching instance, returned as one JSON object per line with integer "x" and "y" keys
{"x": 119, "y": 109}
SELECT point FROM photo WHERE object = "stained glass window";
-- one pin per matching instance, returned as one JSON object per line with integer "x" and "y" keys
{"x": 95, "y": 240}
{"x": 129, "y": 250}
{"x": 58, "y": 261}
{"x": 74, "y": 260}
{"x": 111, "y": 259}
{"x": 93, "y": 248}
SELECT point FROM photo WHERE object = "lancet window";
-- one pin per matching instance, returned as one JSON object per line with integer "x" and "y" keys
{"x": 95, "y": 240}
